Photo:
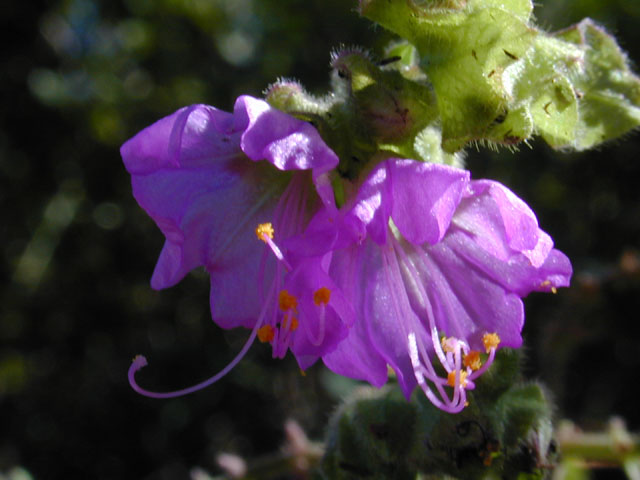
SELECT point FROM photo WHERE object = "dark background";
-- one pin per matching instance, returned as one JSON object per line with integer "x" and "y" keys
{"x": 79, "y": 77}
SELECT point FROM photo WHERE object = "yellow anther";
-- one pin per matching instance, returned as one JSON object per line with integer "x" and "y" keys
{"x": 451, "y": 378}
{"x": 472, "y": 360}
{"x": 266, "y": 333}
{"x": 448, "y": 344}
{"x": 547, "y": 283}
{"x": 322, "y": 295}
{"x": 490, "y": 340}
{"x": 264, "y": 230}
{"x": 294, "y": 323}
{"x": 303, "y": 373}
{"x": 286, "y": 301}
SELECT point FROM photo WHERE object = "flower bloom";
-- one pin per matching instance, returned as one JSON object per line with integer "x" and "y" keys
{"x": 208, "y": 178}
{"x": 435, "y": 266}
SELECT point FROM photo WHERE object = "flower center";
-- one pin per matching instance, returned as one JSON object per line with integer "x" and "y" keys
{"x": 461, "y": 364}
{"x": 428, "y": 352}
{"x": 280, "y": 326}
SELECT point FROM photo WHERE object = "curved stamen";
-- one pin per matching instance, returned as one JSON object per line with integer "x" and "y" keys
{"x": 399, "y": 250}
{"x": 140, "y": 361}
{"x": 461, "y": 363}
{"x": 422, "y": 367}
{"x": 458, "y": 388}
{"x": 420, "y": 372}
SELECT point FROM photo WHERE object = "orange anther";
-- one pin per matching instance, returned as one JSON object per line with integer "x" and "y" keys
{"x": 266, "y": 333}
{"x": 294, "y": 323}
{"x": 451, "y": 378}
{"x": 472, "y": 360}
{"x": 286, "y": 301}
{"x": 322, "y": 295}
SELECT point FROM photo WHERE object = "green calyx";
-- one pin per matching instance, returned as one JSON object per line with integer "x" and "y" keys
{"x": 373, "y": 111}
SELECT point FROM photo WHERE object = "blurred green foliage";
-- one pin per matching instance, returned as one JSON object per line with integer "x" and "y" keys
{"x": 77, "y": 78}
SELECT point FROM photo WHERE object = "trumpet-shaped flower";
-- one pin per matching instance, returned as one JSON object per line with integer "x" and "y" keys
{"x": 435, "y": 266}
{"x": 208, "y": 178}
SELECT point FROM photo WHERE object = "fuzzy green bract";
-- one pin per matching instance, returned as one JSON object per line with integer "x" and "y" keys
{"x": 505, "y": 433}
{"x": 499, "y": 79}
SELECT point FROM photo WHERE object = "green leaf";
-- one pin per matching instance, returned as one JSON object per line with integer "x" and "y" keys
{"x": 520, "y": 8}
{"x": 608, "y": 91}
{"x": 498, "y": 79}
{"x": 540, "y": 83}
{"x": 464, "y": 53}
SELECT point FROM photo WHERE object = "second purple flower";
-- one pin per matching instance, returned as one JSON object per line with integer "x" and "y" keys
{"x": 435, "y": 266}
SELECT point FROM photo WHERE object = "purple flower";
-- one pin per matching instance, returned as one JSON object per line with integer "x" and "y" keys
{"x": 435, "y": 266}
{"x": 208, "y": 178}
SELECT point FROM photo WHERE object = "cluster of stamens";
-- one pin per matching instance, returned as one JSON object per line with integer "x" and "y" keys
{"x": 461, "y": 364}
{"x": 279, "y": 333}
{"x": 278, "y": 330}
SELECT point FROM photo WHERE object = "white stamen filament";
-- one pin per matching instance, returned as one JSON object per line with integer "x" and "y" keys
{"x": 321, "y": 327}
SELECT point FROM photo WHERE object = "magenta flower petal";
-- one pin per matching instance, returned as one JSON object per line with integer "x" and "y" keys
{"x": 399, "y": 188}
{"x": 504, "y": 240}
{"x": 187, "y": 138}
{"x": 322, "y": 326}
{"x": 432, "y": 189}
{"x": 286, "y": 142}
{"x": 466, "y": 302}
{"x": 191, "y": 173}
{"x": 373, "y": 204}
{"x": 355, "y": 356}
{"x": 202, "y": 212}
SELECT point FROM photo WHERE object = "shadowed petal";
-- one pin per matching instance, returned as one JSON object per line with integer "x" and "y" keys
{"x": 355, "y": 356}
